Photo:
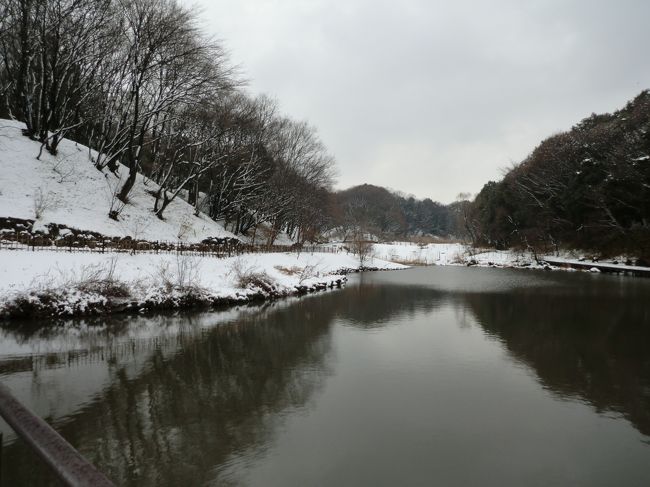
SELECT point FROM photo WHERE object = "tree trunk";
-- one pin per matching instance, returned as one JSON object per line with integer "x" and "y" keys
{"x": 123, "y": 195}
{"x": 164, "y": 205}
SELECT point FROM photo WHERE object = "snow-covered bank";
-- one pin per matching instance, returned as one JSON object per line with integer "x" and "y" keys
{"x": 416, "y": 254}
{"x": 450, "y": 254}
{"x": 459, "y": 254}
{"x": 71, "y": 284}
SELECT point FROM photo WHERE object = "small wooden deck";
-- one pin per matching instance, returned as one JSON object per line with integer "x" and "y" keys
{"x": 601, "y": 266}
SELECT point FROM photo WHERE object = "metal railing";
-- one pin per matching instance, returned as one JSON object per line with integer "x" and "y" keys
{"x": 64, "y": 460}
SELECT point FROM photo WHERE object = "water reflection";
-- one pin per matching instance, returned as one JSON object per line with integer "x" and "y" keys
{"x": 169, "y": 418}
{"x": 369, "y": 304}
{"x": 586, "y": 336}
{"x": 197, "y": 399}
{"x": 596, "y": 349}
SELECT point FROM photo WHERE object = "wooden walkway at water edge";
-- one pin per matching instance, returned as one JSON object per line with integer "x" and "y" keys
{"x": 601, "y": 266}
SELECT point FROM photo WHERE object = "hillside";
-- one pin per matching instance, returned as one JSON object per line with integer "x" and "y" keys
{"x": 68, "y": 190}
{"x": 587, "y": 188}
{"x": 387, "y": 214}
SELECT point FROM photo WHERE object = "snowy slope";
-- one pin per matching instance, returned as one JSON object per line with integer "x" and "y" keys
{"x": 77, "y": 195}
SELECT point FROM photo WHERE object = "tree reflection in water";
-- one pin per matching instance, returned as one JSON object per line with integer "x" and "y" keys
{"x": 595, "y": 348}
{"x": 219, "y": 392}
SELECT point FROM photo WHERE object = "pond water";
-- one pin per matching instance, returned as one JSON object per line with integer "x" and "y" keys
{"x": 430, "y": 376}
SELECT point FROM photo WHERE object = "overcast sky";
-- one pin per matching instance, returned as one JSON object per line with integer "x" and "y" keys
{"x": 435, "y": 98}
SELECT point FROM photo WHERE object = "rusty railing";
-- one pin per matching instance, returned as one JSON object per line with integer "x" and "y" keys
{"x": 64, "y": 460}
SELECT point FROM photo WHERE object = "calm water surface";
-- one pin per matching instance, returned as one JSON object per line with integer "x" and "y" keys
{"x": 431, "y": 376}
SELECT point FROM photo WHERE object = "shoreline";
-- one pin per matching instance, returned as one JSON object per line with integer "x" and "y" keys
{"x": 98, "y": 306}
{"x": 457, "y": 254}
{"x": 55, "y": 285}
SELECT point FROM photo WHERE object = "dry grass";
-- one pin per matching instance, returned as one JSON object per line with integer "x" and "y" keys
{"x": 303, "y": 273}
{"x": 411, "y": 262}
{"x": 249, "y": 277}
{"x": 289, "y": 271}
{"x": 426, "y": 239}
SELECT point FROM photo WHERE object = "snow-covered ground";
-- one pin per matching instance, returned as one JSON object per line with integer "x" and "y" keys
{"x": 69, "y": 190}
{"x": 451, "y": 254}
{"x": 459, "y": 254}
{"x": 74, "y": 281}
{"x": 416, "y": 254}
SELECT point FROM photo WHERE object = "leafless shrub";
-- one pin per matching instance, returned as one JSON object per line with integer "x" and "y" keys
{"x": 42, "y": 202}
{"x": 64, "y": 170}
{"x": 183, "y": 276}
{"x": 65, "y": 175}
{"x": 184, "y": 227}
{"x": 309, "y": 271}
{"x": 116, "y": 205}
{"x": 362, "y": 249}
{"x": 89, "y": 279}
{"x": 187, "y": 271}
{"x": 248, "y": 277}
{"x": 303, "y": 273}
{"x": 136, "y": 226}
{"x": 467, "y": 256}
{"x": 101, "y": 279}
{"x": 459, "y": 258}
{"x": 289, "y": 271}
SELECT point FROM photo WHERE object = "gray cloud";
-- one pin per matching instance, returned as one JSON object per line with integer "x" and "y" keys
{"x": 436, "y": 97}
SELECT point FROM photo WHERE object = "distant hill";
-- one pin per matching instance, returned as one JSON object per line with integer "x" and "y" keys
{"x": 586, "y": 188}
{"x": 68, "y": 190}
{"x": 388, "y": 214}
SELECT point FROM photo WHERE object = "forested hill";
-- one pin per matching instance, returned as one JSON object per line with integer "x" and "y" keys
{"x": 587, "y": 188}
{"x": 387, "y": 214}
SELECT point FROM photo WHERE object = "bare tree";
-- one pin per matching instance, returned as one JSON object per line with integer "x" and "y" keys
{"x": 137, "y": 82}
{"x": 362, "y": 248}
{"x": 51, "y": 53}
{"x": 168, "y": 64}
